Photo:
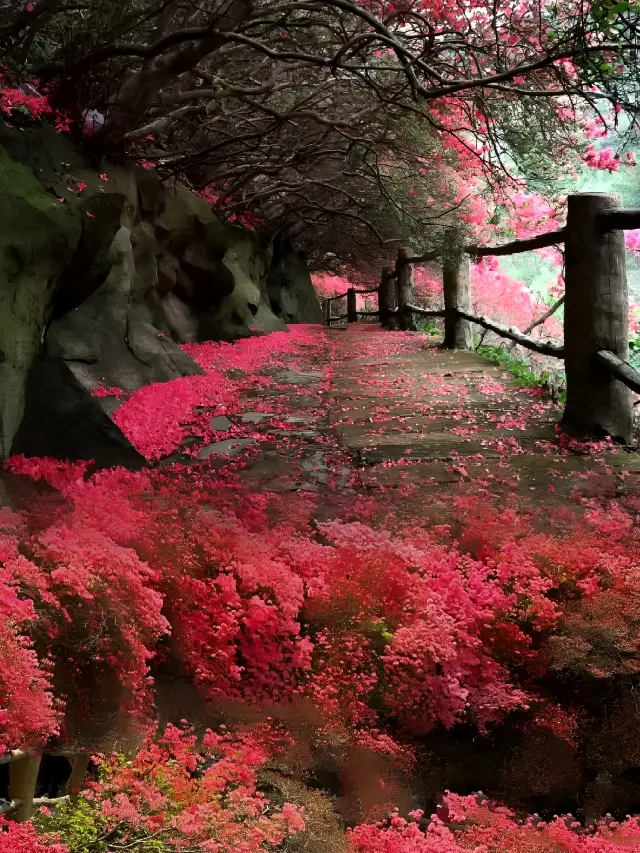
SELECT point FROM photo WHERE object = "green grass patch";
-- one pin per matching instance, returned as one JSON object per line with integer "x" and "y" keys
{"x": 634, "y": 353}
{"x": 523, "y": 372}
{"x": 429, "y": 326}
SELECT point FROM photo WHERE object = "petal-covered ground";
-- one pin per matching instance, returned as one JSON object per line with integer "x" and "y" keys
{"x": 361, "y": 536}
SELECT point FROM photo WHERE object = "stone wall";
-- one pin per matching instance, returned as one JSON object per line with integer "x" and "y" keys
{"x": 104, "y": 272}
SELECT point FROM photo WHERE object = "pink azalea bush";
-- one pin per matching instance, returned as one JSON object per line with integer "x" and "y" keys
{"x": 475, "y": 824}
{"x": 24, "y": 838}
{"x": 180, "y": 791}
{"x": 500, "y": 297}
{"x": 429, "y": 628}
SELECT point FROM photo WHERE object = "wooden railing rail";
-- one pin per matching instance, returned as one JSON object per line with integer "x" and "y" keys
{"x": 617, "y": 219}
{"x": 345, "y": 294}
{"x": 542, "y": 241}
{"x": 620, "y": 369}
{"x": 541, "y": 347}
{"x": 425, "y": 312}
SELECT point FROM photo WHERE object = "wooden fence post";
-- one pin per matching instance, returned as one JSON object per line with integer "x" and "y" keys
{"x": 458, "y": 333}
{"x": 328, "y": 311}
{"x": 79, "y": 766}
{"x": 386, "y": 297}
{"x": 596, "y": 316}
{"x": 23, "y": 775}
{"x": 404, "y": 280}
{"x": 352, "y": 311}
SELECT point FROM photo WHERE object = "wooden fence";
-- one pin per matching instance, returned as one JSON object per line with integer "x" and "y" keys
{"x": 24, "y": 777}
{"x": 596, "y": 310}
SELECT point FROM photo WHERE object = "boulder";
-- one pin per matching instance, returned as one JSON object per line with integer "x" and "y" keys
{"x": 246, "y": 309}
{"x": 292, "y": 295}
{"x": 104, "y": 272}
{"x": 37, "y": 241}
{"x": 181, "y": 321}
{"x": 64, "y": 421}
{"x": 108, "y": 340}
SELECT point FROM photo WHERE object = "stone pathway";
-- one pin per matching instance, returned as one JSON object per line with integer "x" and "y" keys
{"x": 410, "y": 424}
{"x": 390, "y": 415}
{"x": 436, "y": 419}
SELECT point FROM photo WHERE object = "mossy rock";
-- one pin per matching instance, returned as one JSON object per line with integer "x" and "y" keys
{"x": 42, "y": 236}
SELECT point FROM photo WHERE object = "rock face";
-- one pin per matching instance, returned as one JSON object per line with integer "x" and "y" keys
{"x": 290, "y": 290}
{"x": 103, "y": 274}
{"x": 36, "y": 242}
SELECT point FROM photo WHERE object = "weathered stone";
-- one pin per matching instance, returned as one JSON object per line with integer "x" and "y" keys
{"x": 229, "y": 447}
{"x": 245, "y": 309}
{"x": 64, "y": 421}
{"x": 291, "y": 293}
{"x": 220, "y": 424}
{"x": 292, "y": 377}
{"x": 256, "y": 417}
{"x": 145, "y": 280}
{"x": 167, "y": 271}
{"x": 152, "y": 196}
{"x": 38, "y": 240}
{"x": 199, "y": 257}
{"x": 103, "y": 285}
{"x": 300, "y": 420}
{"x": 107, "y": 340}
{"x": 181, "y": 322}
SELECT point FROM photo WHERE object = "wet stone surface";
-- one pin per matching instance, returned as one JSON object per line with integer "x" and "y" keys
{"x": 221, "y": 424}
{"x": 229, "y": 447}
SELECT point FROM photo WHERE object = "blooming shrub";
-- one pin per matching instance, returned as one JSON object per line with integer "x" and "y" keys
{"x": 26, "y": 100}
{"x": 500, "y": 297}
{"x": 177, "y": 793}
{"x": 473, "y": 823}
{"x": 11, "y": 99}
{"x": 126, "y": 577}
{"x": 81, "y": 614}
{"x": 24, "y": 838}
{"x": 395, "y": 634}
{"x": 424, "y": 608}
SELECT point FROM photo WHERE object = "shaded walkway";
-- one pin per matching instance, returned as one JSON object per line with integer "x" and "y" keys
{"x": 409, "y": 412}
{"x": 367, "y": 412}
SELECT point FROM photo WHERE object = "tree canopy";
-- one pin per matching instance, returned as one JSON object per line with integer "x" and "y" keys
{"x": 348, "y": 127}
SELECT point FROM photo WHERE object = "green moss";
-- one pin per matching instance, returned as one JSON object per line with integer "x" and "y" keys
{"x": 182, "y": 209}
{"x": 430, "y": 326}
{"x": 39, "y": 239}
{"x": 26, "y": 197}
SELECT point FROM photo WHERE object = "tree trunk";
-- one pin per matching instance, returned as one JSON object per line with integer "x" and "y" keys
{"x": 404, "y": 278}
{"x": 352, "y": 310}
{"x": 327, "y": 308}
{"x": 385, "y": 297}
{"x": 140, "y": 90}
{"x": 596, "y": 316}
{"x": 458, "y": 333}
